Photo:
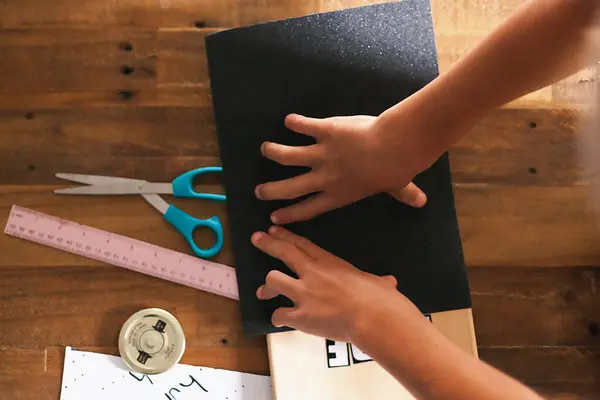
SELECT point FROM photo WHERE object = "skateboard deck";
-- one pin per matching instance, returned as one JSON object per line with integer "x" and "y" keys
{"x": 358, "y": 61}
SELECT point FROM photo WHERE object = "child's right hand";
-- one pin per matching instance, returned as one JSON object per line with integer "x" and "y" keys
{"x": 332, "y": 298}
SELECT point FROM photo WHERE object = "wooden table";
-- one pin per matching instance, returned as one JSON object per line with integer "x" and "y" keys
{"x": 121, "y": 88}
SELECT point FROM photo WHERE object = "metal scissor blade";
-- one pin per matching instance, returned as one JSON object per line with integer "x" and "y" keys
{"x": 95, "y": 179}
{"x": 157, "y": 202}
{"x": 141, "y": 187}
{"x": 133, "y": 187}
{"x": 100, "y": 190}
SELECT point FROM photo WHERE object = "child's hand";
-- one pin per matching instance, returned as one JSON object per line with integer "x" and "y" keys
{"x": 332, "y": 298}
{"x": 352, "y": 159}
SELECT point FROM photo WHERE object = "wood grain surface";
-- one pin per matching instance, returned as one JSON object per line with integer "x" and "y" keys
{"x": 122, "y": 88}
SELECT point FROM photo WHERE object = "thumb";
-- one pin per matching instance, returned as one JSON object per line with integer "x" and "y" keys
{"x": 283, "y": 316}
{"x": 266, "y": 293}
{"x": 410, "y": 195}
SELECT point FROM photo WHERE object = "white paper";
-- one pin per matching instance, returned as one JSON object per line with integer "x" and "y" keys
{"x": 94, "y": 376}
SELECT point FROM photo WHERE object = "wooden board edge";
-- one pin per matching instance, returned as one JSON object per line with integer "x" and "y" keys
{"x": 458, "y": 326}
{"x": 271, "y": 339}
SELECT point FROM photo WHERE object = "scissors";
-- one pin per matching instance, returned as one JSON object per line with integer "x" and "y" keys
{"x": 182, "y": 186}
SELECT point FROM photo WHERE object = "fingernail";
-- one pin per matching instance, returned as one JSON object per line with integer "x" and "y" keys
{"x": 257, "y": 192}
{"x": 259, "y": 292}
{"x": 274, "y": 219}
{"x": 263, "y": 147}
{"x": 273, "y": 229}
{"x": 420, "y": 200}
{"x": 256, "y": 237}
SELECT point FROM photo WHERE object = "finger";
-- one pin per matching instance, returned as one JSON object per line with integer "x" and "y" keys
{"x": 291, "y": 188}
{"x": 390, "y": 280}
{"x": 314, "y": 127}
{"x": 266, "y": 293}
{"x": 411, "y": 195}
{"x": 304, "y": 156}
{"x": 278, "y": 283}
{"x": 306, "y": 209}
{"x": 302, "y": 243}
{"x": 283, "y": 316}
{"x": 291, "y": 255}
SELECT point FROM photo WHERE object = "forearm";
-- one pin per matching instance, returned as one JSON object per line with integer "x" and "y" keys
{"x": 430, "y": 366}
{"x": 544, "y": 41}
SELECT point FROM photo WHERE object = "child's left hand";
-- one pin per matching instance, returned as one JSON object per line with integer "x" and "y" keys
{"x": 354, "y": 157}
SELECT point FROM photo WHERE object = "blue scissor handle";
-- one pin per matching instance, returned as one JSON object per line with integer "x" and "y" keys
{"x": 186, "y": 224}
{"x": 183, "y": 185}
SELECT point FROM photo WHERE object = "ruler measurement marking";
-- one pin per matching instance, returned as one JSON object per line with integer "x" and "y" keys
{"x": 121, "y": 264}
{"x": 120, "y": 251}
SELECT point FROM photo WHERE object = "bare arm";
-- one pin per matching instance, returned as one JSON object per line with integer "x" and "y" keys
{"x": 543, "y": 42}
{"x": 429, "y": 365}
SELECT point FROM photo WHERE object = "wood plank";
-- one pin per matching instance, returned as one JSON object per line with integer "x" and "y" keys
{"x": 536, "y": 306}
{"x": 529, "y": 147}
{"x": 136, "y": 13}
{"x": 541, "y": 365}
{"x": 155, "y": 143}
{"x": 476, "y": 16}
{"x": 38, "y": 304}
{"x": 580, "y": 88}
{"x": 89, "y": 61}
{"x": 500, "y": 226}
{"x": 44, "y": 387}
{"x": 35, "y": 169}
{"x": 528, "y": 226}
{"x": 75, "y": 61}
{"x": 568, "y": 391}
{"x": 91, "y": 68}
{"x": 41, "y": 143}
{"x": 22, "y": 361}
{"x": 334, "y": 5}
{"x": 260, "y": 11}
{"x": 550, "y": 307}
{"x": 84, "y": 68}
{"x": 509, "y": 147}
{"x": 166, "y": 96}
{"x": 472, "y": 17}
{"x": 145, "y": 132}
{"x": 182, "y": 58}
{"x": 164, "y": 13}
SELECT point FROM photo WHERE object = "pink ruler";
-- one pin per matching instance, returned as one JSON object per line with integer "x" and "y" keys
{"x": 122, "y": 251}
